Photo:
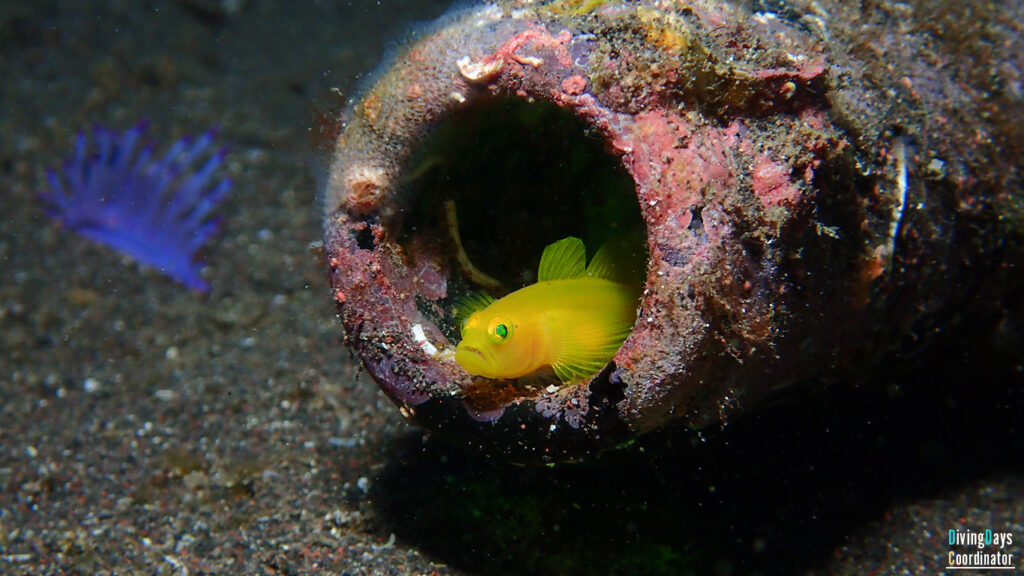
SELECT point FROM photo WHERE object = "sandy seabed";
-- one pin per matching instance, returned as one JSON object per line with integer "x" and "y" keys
{"x": 147, "y": 429}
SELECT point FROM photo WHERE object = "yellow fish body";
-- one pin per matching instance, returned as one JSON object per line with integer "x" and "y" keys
{"x": 573, "y": 319}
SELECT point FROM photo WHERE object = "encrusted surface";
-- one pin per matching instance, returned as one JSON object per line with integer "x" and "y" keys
{"x": 771, "y": 229}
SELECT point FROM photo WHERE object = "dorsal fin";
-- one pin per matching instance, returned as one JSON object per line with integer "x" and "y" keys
{"x": 618, "y": 260}
{"x": 603, "y": 264}
{"x": 470, "y": 303}
{"x": 561, "y": 260}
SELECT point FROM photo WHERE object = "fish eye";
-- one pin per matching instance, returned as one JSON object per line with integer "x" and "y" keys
{"x": 500, "y": 330}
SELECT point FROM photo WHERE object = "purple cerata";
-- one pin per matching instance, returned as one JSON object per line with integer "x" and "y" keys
{"x": 160, "y": 210}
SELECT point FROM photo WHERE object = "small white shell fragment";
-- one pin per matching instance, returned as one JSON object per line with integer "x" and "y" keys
{"x": 421, "y": 340}
{"x": 534, "y": 61}
{"x": 488, "y": 14}
{"x": 482, "y": 72}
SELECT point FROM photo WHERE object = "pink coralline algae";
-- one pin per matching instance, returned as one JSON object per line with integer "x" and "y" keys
{"x": 158, "y": 210}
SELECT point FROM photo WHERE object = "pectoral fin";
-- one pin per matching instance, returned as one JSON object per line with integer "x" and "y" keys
{"x": 586, "y": 350}
{"x": 572, "y": 373}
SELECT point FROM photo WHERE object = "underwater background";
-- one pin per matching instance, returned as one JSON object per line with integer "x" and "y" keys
{"x": 157, "y": 423}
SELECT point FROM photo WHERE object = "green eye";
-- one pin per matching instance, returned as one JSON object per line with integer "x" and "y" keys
{"x": 499, "y": 330}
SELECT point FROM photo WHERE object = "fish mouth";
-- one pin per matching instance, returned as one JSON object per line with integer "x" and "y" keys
{"x": 473, "y": 360}
{"x": 473, "y": 350}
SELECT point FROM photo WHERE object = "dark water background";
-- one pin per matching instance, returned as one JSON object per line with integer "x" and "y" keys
{"x": 150, "y": 430}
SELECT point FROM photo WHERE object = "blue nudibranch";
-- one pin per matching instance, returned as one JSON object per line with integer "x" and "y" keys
{"x": 158, "y": 210}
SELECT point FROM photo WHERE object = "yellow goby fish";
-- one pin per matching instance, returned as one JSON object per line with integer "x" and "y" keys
{"x": 573, "y": 319}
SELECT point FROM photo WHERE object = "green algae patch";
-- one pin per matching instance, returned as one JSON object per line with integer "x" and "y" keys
{"x": 576, "y": 7}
